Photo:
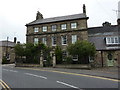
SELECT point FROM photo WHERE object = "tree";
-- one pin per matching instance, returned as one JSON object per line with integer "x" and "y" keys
{"x": 32, "y": 52}
{"x": 58, "y": 54}
{"x": 19, "y": 51}
{"x": 83, "y": 49}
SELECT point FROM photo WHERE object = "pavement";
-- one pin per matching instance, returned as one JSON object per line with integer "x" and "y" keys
{"x": 108, "y": 72}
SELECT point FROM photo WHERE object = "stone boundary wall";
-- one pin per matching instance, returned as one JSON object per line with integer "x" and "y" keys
{"x": 74, "y": 66}
{"x": 26, "y": 65}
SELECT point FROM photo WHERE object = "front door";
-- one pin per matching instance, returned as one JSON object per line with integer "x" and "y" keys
{"x": 110, "y": 59}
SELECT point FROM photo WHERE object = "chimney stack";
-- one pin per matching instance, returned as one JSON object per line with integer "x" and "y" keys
{"x": 15, "y": 39}
{"x": 84, "y": 9}
{"x": 39, "y": 15}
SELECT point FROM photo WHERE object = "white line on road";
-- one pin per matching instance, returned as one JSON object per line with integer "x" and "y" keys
{"x": 66, "y": 84}
{"x": 36, "y": 75}
{"x": 10, "y": 70}
{"x": 5, "y": 69}
{"x": 13, "y": 71}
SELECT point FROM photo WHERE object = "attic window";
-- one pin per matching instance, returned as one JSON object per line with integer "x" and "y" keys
{"x": 112, "y": 40}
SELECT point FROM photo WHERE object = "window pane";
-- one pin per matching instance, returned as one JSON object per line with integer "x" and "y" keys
{"x": 74, "y": 38}
{"x": 36, "y": 40}
{"x": 73, "y": 25}
{"x": 116, "y": 39}
{"x": 112, "y": 40}
{"x": 44, "y": 28}
{"x": 63, "y": 26}
{"x": 54, "y": 27}
{"x": 44, "y": 40}
{"x": 36, "y": 29}
{"x": 64, "y": 40}
{"x": 108, "y": 40}
{"x": 53, "y": 41}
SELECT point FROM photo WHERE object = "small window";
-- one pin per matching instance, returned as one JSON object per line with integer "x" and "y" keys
{"x": 63, "y": 26}
{"x": 64, "y": 55}
{"x": 75, "y": 58}
{"x": 44, "y": 40}
{"x": 36, "y": 40}
{"x": 54, "y": 27}
{"x": 44, "y": 28}
{"x": 64, "y": 40}
{"x": 108, "y": 40}
{"x": 74, "y": 38}
{"x": 112, "y": 40}
{"x": 53, "y": 41}
{"x": 73, "y": 25}
{"x": 116, "y": 40}
{"x": 36, "y": 29}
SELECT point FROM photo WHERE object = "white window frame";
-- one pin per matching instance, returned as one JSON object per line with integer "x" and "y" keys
{"x": 44, "y": 28}
{"x": 36, "y": 40}
{"x": 64, "y": 39}
{"x": 74, "y": 25}
{"x": 74, "y": 38}
{"x": 63, "y": 26}
{"x": 112, "y": 40}
{"x": 36, "y": 29}
{"x": 54, "y": 41}
{"x": 54, "y": 27}
{"x": 75, "y": 58}
{"x": 44, "y": 40}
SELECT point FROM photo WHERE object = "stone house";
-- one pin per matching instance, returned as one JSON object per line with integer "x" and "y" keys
{"x": 107, "y": 41}
{"x": 7, "y": 51}
{"x": 58, "y": 31}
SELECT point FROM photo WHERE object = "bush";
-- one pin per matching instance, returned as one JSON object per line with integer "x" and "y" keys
{"x": 4, "y": 60}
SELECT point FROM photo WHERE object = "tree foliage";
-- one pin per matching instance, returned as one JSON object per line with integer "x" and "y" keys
{"x": 83, "y": 49}
{"x": 31, "y": 52}
{"x": 58, "y": 54}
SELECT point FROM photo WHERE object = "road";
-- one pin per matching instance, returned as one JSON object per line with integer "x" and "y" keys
{"x": 39, "y": 78}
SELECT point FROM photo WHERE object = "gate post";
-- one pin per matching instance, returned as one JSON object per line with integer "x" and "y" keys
{"x": 41, "y": 60}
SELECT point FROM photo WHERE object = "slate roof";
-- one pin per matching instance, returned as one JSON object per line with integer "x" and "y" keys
{"x": 57, "y": 19}
{"x": 97, "y": 36}
{"x": 5, "y": 43}
{"x": 103, "y": 29}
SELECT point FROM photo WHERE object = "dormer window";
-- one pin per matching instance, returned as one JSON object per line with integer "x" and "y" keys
{"x": 112, "y": 40}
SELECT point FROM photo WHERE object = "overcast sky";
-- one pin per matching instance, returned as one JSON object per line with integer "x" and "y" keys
{"x": 14, "y": 14}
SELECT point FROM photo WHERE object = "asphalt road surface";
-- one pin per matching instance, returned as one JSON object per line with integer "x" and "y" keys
{"x": 30, "y": 78}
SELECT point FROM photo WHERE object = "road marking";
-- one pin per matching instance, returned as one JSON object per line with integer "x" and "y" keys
{"x": 10, "y": 70}
{"x": 13, "y": 71}
{"x": 36, "y": 75}
{"x": 66, "y": 84}
{"x": 99, "y": 77}
{"x": 5, "y": 70}
{"x": 4, "y": 85}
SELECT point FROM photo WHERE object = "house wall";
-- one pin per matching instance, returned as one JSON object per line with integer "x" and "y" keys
{"x": 101, "y": 58}
{"x": 80, "y": 31}
{"x": 10, "y": 52}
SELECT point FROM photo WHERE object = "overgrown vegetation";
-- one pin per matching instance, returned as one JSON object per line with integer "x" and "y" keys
{"x": 30, "y": 53}
{"x": 58, "y": 54}
{"x": 83, "y": 49}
